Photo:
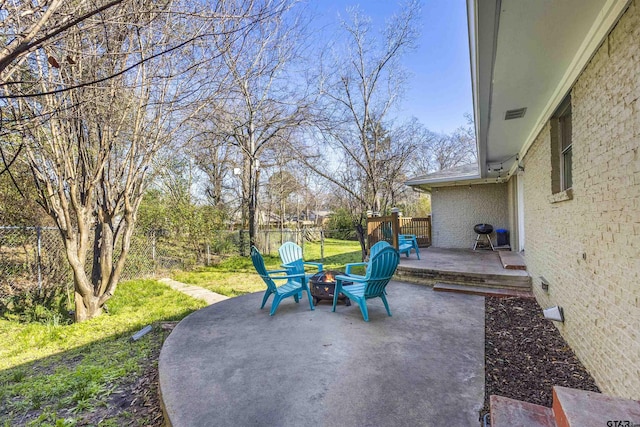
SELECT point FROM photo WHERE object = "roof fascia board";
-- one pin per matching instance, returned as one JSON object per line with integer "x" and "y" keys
{"x": 459, "y": 183}
{"x": 482, "y": 14}
{"x": 607, "y": 18}
{"x": 472, "y": 25}
{"x": 442, "y": 180}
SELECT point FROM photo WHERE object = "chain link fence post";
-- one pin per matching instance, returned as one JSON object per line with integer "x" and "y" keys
{"x": 39, "y": 256}
{"x": 153, "y": 254}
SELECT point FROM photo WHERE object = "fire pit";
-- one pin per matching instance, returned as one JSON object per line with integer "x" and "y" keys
{"x": 323, "y": 286}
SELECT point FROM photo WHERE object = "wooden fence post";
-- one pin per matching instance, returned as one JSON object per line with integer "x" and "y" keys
{"x": 395, "y": 228}
{"x": 370, "y": 228}
{"x": 300, "y": 235}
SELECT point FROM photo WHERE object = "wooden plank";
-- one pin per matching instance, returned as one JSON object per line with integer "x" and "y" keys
{"x": 512, "y": 260}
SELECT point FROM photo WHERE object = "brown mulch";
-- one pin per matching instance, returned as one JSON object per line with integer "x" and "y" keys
{"x": 525, "y": 355}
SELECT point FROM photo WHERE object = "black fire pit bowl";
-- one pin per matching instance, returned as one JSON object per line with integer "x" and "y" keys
{"x": 323, "y": 286}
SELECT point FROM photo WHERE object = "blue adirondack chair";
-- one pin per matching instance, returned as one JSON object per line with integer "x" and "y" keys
{"x": 291, "y": 256}
{"x": 406, "y": 242}
{"x": 379, "y": 272}
{"x": 296, "y": 283}
{"x": 372, "y": 252}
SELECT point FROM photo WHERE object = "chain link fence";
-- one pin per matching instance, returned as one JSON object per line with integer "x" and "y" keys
{"x": 33, "y": 258}
{"x": 30, "y": 258}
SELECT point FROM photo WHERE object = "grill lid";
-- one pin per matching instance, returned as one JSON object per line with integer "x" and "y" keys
{"x": 483, "y": 228}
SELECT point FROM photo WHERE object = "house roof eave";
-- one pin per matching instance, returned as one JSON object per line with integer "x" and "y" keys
{"x": 429, "y": 186}
{"x": 517, "y": 61}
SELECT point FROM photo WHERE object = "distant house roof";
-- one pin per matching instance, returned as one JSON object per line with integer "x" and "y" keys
{"x": 460, "y": 175}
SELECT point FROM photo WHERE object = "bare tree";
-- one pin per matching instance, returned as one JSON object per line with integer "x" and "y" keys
{"x": 215, "y": 161}
{"x": 98, "y": 106}
{"x": 263, "y": 101}
{"x": 89, "y": 149}
{"x": 443, "y": 151}
{"x": 214, "y": 155}
{"x": 361, "y": 83}
{"x": 28, "y": 26}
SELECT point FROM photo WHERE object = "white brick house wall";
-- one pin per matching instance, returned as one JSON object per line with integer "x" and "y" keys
{"x": 455, "y": 210}
{"x": 588, "y": 247}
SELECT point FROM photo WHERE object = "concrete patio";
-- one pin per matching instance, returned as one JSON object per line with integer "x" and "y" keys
{"x": 231, "y": 364}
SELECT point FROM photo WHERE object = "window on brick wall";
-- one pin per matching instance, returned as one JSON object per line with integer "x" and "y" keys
{"x": 561, "y": 144}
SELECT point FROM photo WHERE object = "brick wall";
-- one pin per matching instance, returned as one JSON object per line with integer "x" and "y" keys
{"x": 586, "y": 242}
{"x": 455, "y": 210}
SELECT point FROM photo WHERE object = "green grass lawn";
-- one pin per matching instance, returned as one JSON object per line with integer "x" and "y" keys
{"x": 77, "y": 374}
{"x": 236, "y": 276}
{"x": 82, "y": 374}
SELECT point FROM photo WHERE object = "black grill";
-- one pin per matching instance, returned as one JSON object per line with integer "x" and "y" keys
{"x": 483, "y": 228}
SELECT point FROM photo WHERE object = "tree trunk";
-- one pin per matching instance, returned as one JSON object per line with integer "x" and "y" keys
{"x": 252, "y": 220}
{"x": 253, "y": 202}
{"x": 87, "y": 307}
{"x": 102, "y": 257}
{"x": 360, "y": 234}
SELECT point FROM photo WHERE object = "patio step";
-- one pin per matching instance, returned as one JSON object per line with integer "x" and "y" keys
{"x": 571, "y": 408}
{"x": 521, "y": 281}
{"x": 579, "y": 408}
{"x": 481, "y": 290}
{"x": 510, "y": 412}
{"x": 512, "y": 260}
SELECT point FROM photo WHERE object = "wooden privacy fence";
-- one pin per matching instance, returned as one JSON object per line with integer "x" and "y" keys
{"x": 388, "y": 227}
{"x": 421, "y": 227}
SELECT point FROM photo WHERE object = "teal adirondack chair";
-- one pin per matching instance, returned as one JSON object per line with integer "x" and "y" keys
{"x": 372, "y": 252}
{"x": 406, "y": 242}
{"x": 296, "y": 283}
{"x": 291, "y": 253}
{"x": 380, "y": 270}
{"x": 291, "y": 256}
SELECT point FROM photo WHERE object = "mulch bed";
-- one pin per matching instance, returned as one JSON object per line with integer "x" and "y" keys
{"x": 525, "y": 355}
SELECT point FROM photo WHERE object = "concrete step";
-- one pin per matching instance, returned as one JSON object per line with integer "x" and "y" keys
{"x": 571, "y": 408}
{"x": 579, "y": 408}
{"x": 481, "y": 290}
{"x": 512, "y": 260}
{"x": 518, "y": 280}
{"x": 507, "y": 412}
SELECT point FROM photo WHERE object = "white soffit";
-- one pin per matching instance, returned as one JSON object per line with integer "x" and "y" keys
{"x": 539, "y": 50}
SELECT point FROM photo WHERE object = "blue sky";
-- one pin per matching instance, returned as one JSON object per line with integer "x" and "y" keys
{"x": 439, "y": 91}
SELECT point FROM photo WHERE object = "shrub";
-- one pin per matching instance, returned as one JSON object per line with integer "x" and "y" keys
{"x": 341, "y": 225}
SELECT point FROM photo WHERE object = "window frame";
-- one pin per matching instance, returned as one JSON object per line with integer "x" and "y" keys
{"x": 562, "y": 150}
{"x": 566, "y": 149}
